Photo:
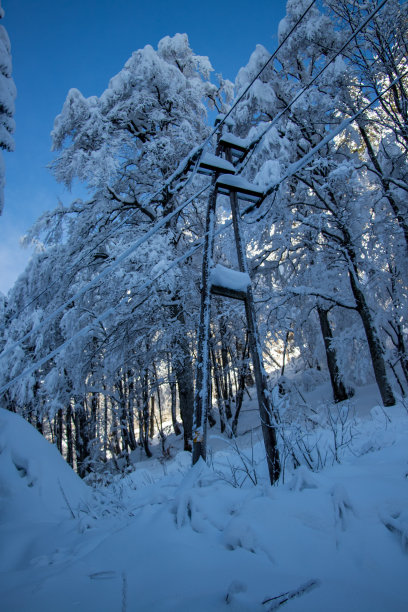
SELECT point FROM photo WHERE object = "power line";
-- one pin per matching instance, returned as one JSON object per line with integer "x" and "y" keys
{"x": 195, "y": 153}
{"x": 254, "y": 144}
{"x": 186, "y": 163}
{"x": 53, "y": 353}
{"x": 106, "y": 313}
{"x": 298, "y": 165}
{"x": 102, "y": 240}
{"x": 293, "y": 169}
{"x": 182, "y": 168}
{"x": 274, "y": 54}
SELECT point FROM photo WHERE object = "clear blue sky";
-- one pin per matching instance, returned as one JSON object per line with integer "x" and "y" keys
{"x": 59, "y": 44}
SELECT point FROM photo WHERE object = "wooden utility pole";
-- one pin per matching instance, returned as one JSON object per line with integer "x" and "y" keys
{"x": 217, "y": 280}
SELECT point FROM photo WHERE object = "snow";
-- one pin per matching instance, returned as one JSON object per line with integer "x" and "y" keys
{"x": 227, "y": 121}
{"x": 5, "y": 50}
{"x": 235, "y": 141}
{"x": 8, "y": 94}
{"x": 229, "y": 279}
{"x": 238, "y": 183}
{"x": 35, "y": 481}
{"x": 169, "y": 537}
{"x": 269, "y": 172}
{"x": 217, "y": 162}
{"x": 2, "y": 180}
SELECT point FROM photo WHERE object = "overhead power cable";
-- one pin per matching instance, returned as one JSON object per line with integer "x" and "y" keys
{"x": 84, "y": 256}
{"x": 109, "y": 311}
{"x": 55, "y": 352}
{"x": 258, "y": 74}
{"x": 298, "y": 165}
{"x": 187, "y": 161}
{"x": 194, "y": 154}
{"x": 292, "y": 170}
{"x": 254, "y": 144}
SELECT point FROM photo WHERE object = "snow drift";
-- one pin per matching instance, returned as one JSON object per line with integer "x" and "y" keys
{"x": 35, "y": 481}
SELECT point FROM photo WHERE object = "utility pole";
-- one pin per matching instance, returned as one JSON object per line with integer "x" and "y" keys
{"x": 232, "y": 284}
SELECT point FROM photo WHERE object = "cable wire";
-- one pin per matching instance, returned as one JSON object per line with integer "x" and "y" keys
{"x": 102, "y": 240}
{"x": 109, "y": 311}
{"x": 254, "y": 144}
{"x": 298, "y": 165}
{"x": 194, "y": 153}
{"x": 293, "y": 169}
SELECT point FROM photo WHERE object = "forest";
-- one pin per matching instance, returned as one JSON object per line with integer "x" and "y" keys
{"x": 99, "y": 335}
{"x": 204, "y": 366}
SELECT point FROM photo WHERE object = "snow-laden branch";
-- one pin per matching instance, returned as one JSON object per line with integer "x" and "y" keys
{"x": 147, "y": 210}
{"x": 40, "y": 362}
{"x": 194, "y": 155}
{"x": 306, "y": 291}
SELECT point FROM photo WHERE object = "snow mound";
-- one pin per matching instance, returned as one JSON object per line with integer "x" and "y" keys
{"x": 35, "y": 481}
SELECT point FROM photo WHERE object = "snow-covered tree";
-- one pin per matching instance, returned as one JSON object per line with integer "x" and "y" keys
{"x": 326, "y": 207}
{"x": 7, "y": 97}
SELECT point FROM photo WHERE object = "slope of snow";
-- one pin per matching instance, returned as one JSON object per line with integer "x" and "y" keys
{"x": 35, "y": 481}
{"x": 173, "y": 538}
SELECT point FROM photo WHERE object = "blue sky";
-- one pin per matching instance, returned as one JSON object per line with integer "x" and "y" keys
{"x": 59, "y": 44}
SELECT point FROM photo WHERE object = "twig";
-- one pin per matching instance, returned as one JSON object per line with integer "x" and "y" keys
{"x": 66, "y": 499}
{"x": 279, "y": 600}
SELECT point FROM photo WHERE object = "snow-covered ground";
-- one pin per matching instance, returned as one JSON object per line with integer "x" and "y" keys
{"x": 169, "y": 537}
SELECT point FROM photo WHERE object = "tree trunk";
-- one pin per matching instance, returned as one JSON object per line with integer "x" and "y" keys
{"x": 81, "y": 439}
{"x": 123, "y": 416}
{"x": 70, "y": 439}
{"x": 183, "y": 369}
{"x": 226, "y": 378}
{"x": 374, "y": 344}
{"x": 340, "y": 392}
{"x": 159, "y": 401}
{"x": 144, "y": 421}
{"x": 105, "y": 428}
{"x": 93, "y": 419}
{"x": 59, "y": 429}
{"x": 242, "y": 377}
{"x": 114, "y": 443}
{"x": 173, "y": 398}
{"x": 130, "y": 410}
{"x": 39, "y": 424}
{"x": 152, "y": 416}
{"x": 218, "y": 391}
